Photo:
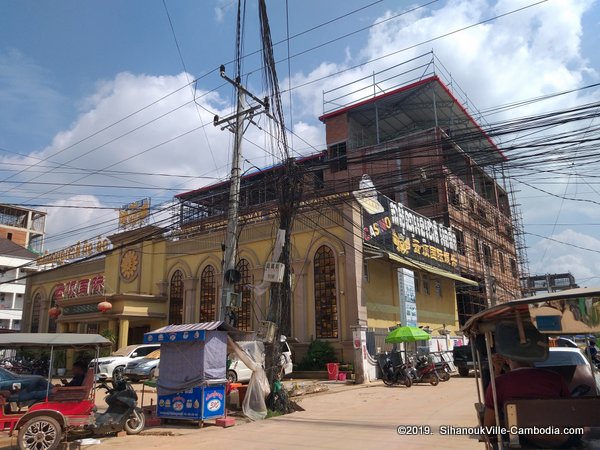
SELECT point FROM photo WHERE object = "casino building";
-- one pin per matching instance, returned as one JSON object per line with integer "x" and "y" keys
{"x": 402, "y": 221}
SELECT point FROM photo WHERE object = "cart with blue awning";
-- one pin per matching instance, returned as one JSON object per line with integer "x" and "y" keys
{"x": 192, "y": 370}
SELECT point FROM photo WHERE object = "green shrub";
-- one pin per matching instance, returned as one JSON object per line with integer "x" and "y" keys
{"x": 319, "y": 353}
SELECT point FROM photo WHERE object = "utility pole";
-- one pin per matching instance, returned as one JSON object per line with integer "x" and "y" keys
{"x": 235, "y": 124}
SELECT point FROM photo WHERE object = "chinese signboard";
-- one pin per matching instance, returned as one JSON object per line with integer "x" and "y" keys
{"x": 79, "y": 288}
{"x": 79, "y": 250}
{"x": 134, "y": 214}
{"x": 391, "y": 226}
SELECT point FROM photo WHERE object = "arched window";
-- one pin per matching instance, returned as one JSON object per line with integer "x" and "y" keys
{"x": 208, "y": 294}
{"x": 244, "y": 314}
{"x": 176, "y": 298}
{"x": 325, "y": 294}
{"x": 52, "y": 320}
{"x": 36, "y": 305}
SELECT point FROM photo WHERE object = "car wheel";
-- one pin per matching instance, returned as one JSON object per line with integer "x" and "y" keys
{"x": 152, "y": 375}
{"x": 463, "y": 371}
{"x": 42, "y": 432}
{"x": 136, "y": 422}
{"x": 117, "y": 374}
{"x": 231, "y": 376}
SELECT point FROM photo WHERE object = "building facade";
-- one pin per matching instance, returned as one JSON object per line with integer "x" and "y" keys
{"x": 25, "y": 227}
{"x": 14, "y": 266}
{"x": 422, "y": 148}
{"x": 440, "y": 238}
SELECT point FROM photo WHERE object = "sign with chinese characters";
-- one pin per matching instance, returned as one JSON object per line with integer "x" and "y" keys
{"x": 79, "y": 288}
{"x": 79, "y": 250}
{"x": 134, "y": 214}
{"x": 408, "y": 298}
{"x": 392, "y": 226}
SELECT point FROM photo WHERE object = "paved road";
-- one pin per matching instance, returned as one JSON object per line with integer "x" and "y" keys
{"x": 353, "y": 417}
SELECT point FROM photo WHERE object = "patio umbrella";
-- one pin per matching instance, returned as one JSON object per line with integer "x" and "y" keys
{"x": 407, "y": 334}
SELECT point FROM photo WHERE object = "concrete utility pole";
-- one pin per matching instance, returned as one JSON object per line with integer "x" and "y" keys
{"x": 235, "y": 124}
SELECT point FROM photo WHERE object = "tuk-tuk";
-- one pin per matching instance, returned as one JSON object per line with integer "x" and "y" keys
{"x": 523, "y": 332}
{"x": 58, "y": 411}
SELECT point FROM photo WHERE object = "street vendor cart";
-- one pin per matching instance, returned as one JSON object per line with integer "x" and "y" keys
{"x": 192, "y": 371}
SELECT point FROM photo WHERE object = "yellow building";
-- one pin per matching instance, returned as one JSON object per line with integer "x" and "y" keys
{"x": 152, "y": 279}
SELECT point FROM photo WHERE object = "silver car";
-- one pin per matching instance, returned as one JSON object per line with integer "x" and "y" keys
{"x": 143, "y": 368}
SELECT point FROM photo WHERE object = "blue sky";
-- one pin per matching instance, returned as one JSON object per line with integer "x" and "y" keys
{"x": 68, "y": 69}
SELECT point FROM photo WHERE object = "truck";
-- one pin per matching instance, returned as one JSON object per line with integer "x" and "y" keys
{"x": 463, "y": 359}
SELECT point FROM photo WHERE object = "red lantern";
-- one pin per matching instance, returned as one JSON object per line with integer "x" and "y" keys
{"x": 104, "y": 306}
{"x": 54, "y": 312}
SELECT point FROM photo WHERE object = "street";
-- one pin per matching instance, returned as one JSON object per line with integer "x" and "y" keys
{"x": 345, "y": 417}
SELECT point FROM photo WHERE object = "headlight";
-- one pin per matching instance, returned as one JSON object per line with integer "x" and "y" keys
{"x": 103, "y": 363}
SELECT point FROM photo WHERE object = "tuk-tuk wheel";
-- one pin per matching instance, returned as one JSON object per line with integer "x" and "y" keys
{"x": 41, "y": 432}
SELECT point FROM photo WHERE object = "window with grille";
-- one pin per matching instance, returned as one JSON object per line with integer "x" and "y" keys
{"x": 176, "y": 298}
{"x": 35, "y": 313}
{"x": 326, "y": 313}
{"x": 487, "y": 255}
{"x": 337, "y": 157}
{"x": 208, "y": 294}
{"x": 244, "y": 314}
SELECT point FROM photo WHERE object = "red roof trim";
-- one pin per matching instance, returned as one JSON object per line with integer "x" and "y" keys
{"x": 408, "y": 87}
{"x": 433, "y": 78}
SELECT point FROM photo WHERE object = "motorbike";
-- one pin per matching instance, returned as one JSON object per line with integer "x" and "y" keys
{"x": 122, "y": 412}
{"x": 393, "y": 370}
{"x": 443, "y": 370}
{"x": 423, "y": 371}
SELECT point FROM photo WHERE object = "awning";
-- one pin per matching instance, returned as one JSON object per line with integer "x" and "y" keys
{"x": 430, "y": 269}
{"x": 18, "y": 340}
{"x": 184, "y": 332}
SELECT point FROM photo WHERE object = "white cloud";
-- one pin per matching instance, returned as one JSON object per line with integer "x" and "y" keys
{"x": 553, "y": 257}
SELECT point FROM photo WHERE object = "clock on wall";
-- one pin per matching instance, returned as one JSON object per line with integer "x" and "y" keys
{"x": 129, "y": 266}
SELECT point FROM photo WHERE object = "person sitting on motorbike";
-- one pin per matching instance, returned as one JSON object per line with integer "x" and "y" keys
{"x": 78, "y": 369}
{"x": 522, "y": 381}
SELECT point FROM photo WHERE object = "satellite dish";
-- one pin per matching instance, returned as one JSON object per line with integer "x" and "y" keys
{"x": 233, "y": 276}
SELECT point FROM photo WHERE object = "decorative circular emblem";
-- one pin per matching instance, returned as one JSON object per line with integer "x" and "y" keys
{"x": 129, "y": 265}
{"x": 178, "y": 405}
{"x": 214, "y": 405}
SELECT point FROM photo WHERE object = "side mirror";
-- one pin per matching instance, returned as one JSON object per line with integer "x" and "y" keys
{"x": 134, "y": 355}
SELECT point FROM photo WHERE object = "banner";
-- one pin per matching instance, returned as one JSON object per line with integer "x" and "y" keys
{"x": 408, "y": 299}
{"x": 394, "y": 227}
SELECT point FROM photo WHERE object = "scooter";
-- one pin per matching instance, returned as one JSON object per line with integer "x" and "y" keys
{"x": 122, "y": 412}
{"x": 394, "y": 372}
{"x": 423, "y": 371}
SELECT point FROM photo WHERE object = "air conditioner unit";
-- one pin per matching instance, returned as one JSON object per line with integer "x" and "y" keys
{"x": 274, "y": 272}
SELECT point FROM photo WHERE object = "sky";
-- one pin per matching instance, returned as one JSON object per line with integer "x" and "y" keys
{"x": 99, "y": 106}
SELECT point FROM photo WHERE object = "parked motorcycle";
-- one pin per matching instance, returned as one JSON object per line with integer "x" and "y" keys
{"x": 122, "y": 412}
{"x": 443, "y": 370}
{"x": 423, "y": 371}
{"x": 393, "y": 370}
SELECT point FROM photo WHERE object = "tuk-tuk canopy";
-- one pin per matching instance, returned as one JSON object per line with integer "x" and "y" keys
{"x": 20, "y": 340}
{"x": 573, "y": 311}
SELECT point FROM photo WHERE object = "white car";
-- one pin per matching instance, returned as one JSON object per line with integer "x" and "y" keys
{"x": 113, "y": 365}
{"x": 238, "y": 371}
